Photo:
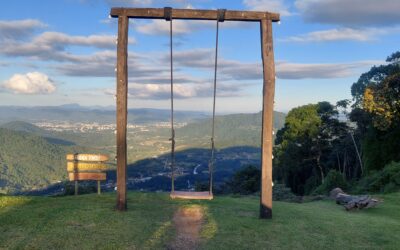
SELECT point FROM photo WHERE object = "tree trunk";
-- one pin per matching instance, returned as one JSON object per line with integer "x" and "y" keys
{"x": 351, "y": 202}
{"x": 320, "y": 168}
{"x": 338, "y": 160}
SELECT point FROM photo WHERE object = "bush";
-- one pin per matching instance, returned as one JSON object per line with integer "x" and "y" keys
{"x": 386, "y": 180}
{"x": 283, "y": 193}
{"x": 333, "y": 180}
{"x": 84, "y": 187}
{"x": 245, "y": 181}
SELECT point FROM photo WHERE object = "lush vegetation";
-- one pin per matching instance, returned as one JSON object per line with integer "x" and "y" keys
{"x": 27, "y": 161}
{"x": 317, "y": 149}
{"x": 230, "y": 130}
{"x": 89, "y": 222}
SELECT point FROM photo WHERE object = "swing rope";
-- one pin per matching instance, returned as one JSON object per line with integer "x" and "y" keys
{"x": 220, "y": 18}
{"x": 168, "y": 17}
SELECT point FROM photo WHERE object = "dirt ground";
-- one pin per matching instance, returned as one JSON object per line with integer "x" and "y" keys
{"x": 188, "y": 222}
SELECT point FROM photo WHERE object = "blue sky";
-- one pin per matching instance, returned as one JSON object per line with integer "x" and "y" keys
{"x": 59, "y": 52}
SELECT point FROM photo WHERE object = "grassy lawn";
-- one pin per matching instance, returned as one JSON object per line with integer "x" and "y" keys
{"x": 89, "y": 222}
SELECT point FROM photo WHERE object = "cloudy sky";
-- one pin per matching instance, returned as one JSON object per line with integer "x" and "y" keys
{"x": 59, "y": 52}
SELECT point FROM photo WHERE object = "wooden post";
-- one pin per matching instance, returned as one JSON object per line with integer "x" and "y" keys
{"x": 122, "y": 109}
{"x": 98, "y": 187}
{"x": 267, "y": 119}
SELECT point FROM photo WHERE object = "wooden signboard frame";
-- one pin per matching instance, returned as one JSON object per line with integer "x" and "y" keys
{"x": 265, "y": 19}
{"x": 82, "y": 167}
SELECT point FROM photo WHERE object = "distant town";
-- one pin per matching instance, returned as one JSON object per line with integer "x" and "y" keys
{"x": 61, "y": 126}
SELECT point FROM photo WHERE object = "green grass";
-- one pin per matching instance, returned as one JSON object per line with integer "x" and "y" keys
{"x": 89, "y": 222}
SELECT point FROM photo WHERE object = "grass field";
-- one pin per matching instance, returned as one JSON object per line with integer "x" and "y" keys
{"x": 89, "y": 222}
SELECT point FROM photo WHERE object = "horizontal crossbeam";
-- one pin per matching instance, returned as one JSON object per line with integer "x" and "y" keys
{"x": 193, "y": 14}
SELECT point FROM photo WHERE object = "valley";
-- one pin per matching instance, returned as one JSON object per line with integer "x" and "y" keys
{"x": 237, "y": 142}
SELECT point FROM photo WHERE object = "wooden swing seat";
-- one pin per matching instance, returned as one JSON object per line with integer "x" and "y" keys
{"x": 191, "y": 195}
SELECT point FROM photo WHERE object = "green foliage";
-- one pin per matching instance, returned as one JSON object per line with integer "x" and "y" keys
{"x": 376, "y": 112}
{"x": 372, "y": 78}
{"x": 28, "y": 161}
{"x": 306, "y": 146}
{"x": 385, "y": 180}
{"x": 380, "y": 148}
{"x": 381, "y": 101}
{"x": 283, "y": 193}
{"x": 245, "y": 181}
{"x": 333, "y": 180}
{"x": 230, "y": 130}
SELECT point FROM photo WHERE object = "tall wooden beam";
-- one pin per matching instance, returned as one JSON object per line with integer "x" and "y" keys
{"x": 267, "y": 119}
{"x": 230, "y": 15}
{"x": 122, "y": 110}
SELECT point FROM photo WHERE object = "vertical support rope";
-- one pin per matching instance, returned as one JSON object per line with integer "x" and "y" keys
{"x": 168, "y": 17}
{"x": 220, "y": 18}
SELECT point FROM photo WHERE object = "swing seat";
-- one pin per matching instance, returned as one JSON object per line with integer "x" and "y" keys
{"x": 191, "y": 195}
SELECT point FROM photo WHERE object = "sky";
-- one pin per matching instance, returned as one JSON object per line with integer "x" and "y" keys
{"x": 61, "y": 52}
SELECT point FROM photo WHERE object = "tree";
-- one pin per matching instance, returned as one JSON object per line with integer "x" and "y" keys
{"x": 305, "y": 146}
{"x": 382, "y": 102}
{"x": 376, "y": 110}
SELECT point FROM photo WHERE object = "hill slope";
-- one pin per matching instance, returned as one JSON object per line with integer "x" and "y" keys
{"x": 89, "y": 222}
{"x": 231, "y": 130}
{"x": 28, "y": 160}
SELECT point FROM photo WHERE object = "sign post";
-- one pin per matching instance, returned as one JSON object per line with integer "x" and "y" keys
{"x": 86, "y": 167}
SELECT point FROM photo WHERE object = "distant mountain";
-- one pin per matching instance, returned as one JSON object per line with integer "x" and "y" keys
{"x": 23, "y": 127}
{"x": 231, "y": 130}
{"x": 28, "y": 161}
{"x": 77, "y": 113}
{"x": 27, "y": 127}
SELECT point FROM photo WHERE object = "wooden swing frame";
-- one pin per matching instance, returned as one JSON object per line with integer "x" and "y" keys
{"x": 265, "y": 19}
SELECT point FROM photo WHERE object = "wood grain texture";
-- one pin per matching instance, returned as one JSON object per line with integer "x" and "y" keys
{"x": 267, "y": 119}
{"x": 122, "y": 110}
{"x": 191, "y": 195}
{"x": 193, "y": 14}
{"x": 85, "y": 166}
{"x": 87, "y": 176}
{"x": 87, "y": 157}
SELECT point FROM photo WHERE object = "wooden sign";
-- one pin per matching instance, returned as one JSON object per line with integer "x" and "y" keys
{"x": 87, "y": 176}
{"x": 87, "y": 157}
{"x": 85, "y": 166}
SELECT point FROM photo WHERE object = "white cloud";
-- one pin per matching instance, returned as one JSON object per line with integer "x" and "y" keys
{"x": 278, "y": 6}
{"x": 182, "y": 27}
{"x": 181, "y": 91}
{"x": 350, "y": 13}
{"x": 30, "y": 83}
{"x": 161, "y": 27}
{"x": 236, "y": 70}
{"x": 53, "y": 45}
{"x": 19, "y": 28}
{"x": 287, "y": 70}
{"x": 343, "y": 34}
{"x": 60, "y": 39}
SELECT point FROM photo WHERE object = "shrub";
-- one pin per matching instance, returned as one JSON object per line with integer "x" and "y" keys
{"x": 333, "y": 180}
{"x": 245, "y": 181}
{"x": 386, "y": 180}
{"x": 283, "y": 193}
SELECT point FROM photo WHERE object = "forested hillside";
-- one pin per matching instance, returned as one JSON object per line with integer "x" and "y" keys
{"x": 231, "y": 130}
{"x": 28, "y": 160}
